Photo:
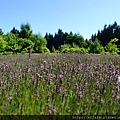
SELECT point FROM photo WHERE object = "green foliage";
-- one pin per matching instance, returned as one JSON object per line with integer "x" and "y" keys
{"x": 26, "y": 31}
{"x": 109, "y": 32}
{"x": 72, "y": 48}
{"x": 96, "y": 47}
{"x": 111, "y": 47}
{"x": 3, "y": 44}
{"x": 15, "y": 31}
{"x": 59, "y": 38}
{"x": 77, "y": 39}
{"x": 44, "y": 50}
{"x": 63, "y": 47}
{"x": 12, "y": 43}
{"x": 19, "y": 41}
{"x": 53, "y": 49}
{"x": 39, "y": 42}
{"x": 7, "y": 53}
{"x": 1, "y": 32}
{"x": 78, "y": 50}
{"x": 25, "y": 50}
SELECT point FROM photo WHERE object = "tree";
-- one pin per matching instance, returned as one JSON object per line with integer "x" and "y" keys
{"x": 96, "y": 47}
{"x": 50, "y": 41}
{"x": 109, "y": 32}
{"x": 24, "y": 44}
{"x": 3, "y": 44}
{"x": 62, "y": 48}
{"x": 70, "y": 38}
{"x": 76, "y": 39}
{"x": 12, "y": 43}
{"x": 59, "y": 38}
{"x": 15, "y": 31}
{"x": 111, "y": 47}
{"x": 39, "y": 42}
{"x": 1, "y": 32}
{"x": 25, "y": 31}
{"x": 53, "y": 49}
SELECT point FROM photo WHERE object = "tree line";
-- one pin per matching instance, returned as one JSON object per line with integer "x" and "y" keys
{"x": 106, "y": 41}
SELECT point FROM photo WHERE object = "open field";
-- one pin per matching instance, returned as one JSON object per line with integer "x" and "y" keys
{"x": 60, "y": 84}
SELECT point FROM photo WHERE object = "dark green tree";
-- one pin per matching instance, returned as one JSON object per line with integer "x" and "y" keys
{"x": 25, "y": 31}
{"x": 76, "y": 39}
{"x": 15, "y": 31}
{"x": 50, "y": 41}
{"x": 59, "y": 38}
{"x": 109, "y": 32}
{"x": 1, "y": 32}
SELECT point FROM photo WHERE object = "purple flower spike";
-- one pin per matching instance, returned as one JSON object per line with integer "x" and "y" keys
{"x": 10, "y": 99}
{"x": 102, "y": 101}
{"x": 56, "y": 88}
{"x": 44, "y": 62}
{"x": 36, "y": 92}
{"x": 60, "y": 76}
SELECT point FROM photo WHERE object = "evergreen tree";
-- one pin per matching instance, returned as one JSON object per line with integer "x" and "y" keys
{"x": 1, "y": 32}
{"x": 50, "y": 41}
{"x": 15, "y": 31}
{"x": 25, "y": 31}
{"x": 109, "y": 32}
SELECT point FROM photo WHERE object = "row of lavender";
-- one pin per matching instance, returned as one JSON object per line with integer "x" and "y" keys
{"x": 60, "y": 84}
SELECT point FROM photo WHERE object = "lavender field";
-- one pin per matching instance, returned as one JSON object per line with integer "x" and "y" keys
{"x": 60, "y": 84}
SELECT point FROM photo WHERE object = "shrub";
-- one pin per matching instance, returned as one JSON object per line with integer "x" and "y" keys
{"x": 44, "y": 50}
{"x": 111, "y": 47}
{"x": 7, "y": 53}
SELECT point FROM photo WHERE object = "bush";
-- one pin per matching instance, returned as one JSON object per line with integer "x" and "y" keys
{"x": 111, "y": 47}
{"x": 76, "y": 50}
{"x": 7, "y": 53}
{"x": 83, "y": 50}
{"x": 44, "y": 50}
{"x": 53, "y": 49}
{"x": 25, "y": 50}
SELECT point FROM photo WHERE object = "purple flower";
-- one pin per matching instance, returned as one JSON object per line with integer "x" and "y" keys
{"x": 42, "y": 66}
{"x": 102, "y": 101}
{"x": 36, "y": 92}
{"x": 51, "y": 76}
{"x": 75, "y": 87}
{"x": 29, "y": 70}
{"x": 50, "y": 112}
{"x": 40, "y": 76}
{"x": 60, "y": 76}
{"x": 10, "y": 99}
{"x": 80, "y": 95}
{"x": 44, "y": 62}
{"x": 1, "y": 83}
{"x": 56, "y": 88}
{"x": 16, "y": 85}
{"x": 54, "y": 110}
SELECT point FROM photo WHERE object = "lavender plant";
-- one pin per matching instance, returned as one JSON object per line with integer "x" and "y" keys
{"x": 60, "y": 84}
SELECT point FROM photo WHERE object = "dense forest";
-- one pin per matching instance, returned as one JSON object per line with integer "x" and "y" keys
{"x": 106, "y": 41}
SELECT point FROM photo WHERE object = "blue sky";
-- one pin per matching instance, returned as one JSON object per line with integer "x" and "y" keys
{"x": 83, "y": 16}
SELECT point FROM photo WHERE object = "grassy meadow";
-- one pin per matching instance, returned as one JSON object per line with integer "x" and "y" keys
{"x": 60, "y": 84}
